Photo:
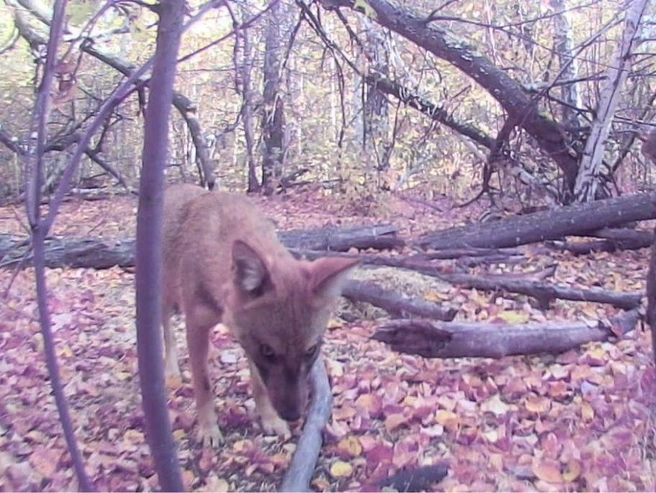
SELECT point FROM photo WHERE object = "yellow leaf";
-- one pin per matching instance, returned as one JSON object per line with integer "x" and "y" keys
{"x": 448, "y": 419}
{"x": 514, "y": 318}
{"x": 394, "y": 421}
{"x": 350, "y": 446}
{"x": 435, "y": 297}
{"x": 133, "y": 436}
{"x": 537, "y": 404}
{"x": 547, "y": 470}
{"x": 214, "y": 483}
{"x": 45, "y": 461}
{"x": 572, "y": 470}
{"x": 587, "y": 413}
{"x": 341, "y": 469}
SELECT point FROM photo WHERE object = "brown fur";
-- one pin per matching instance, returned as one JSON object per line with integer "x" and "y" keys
{"x": 224, "y": 264}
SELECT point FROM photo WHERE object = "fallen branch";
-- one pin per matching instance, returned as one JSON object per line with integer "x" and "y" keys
{"x": 545, "y": 293}
{"x": 393, "y": 303}
{"x": 609, "y": 240}
{"x": 305, "y": 458}
{"x": 98, "y": 253}
{"x": 486, "y": 340}
{"x": 528, "y": 284}
{"x": 552, "y": 224}
{"x": 380, "y": 237}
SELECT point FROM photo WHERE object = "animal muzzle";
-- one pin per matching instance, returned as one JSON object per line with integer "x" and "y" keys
{"x": 290, "y": 400}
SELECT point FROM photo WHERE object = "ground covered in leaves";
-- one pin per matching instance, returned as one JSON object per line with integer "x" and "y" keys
{"x": 583, "y": 420}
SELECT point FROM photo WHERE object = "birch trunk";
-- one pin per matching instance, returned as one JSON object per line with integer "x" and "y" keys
{"x": 589, "y": 178}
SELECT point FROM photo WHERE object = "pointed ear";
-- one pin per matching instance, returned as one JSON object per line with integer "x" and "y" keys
{"x": 329, "y": 274}
{"x": 251, "y": 275}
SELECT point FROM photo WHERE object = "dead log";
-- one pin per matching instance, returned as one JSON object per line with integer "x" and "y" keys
{"x": 545, "y": 225}
{"x": 99, "y": 253}
{"x": 610, "y": 240}
{"x": 544, "y": 293}
{"x": 299, "y": 474}
{"x": 380, "y": 237}
{"x": 488, "y": 340}
{"x": 395, "y": 304}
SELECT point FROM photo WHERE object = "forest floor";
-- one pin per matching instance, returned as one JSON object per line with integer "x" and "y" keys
{"x": 582, "y": 420}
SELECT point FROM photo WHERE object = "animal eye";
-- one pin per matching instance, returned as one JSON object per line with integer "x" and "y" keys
{"x": 312, "y": 352}
{"x": 267, "y": 351}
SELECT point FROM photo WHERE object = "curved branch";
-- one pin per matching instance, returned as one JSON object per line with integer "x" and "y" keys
{"x": 300, "y": 471}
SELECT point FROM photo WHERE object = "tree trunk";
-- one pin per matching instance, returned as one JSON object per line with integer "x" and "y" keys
{"x": 545, "y": 225}
{"x": 591, "y": 179}
{"x": 376, "y": 111}
{"x": 148, "y": 279}
{"x": 245, "y": 55}
{"x": 273, "y": 117}
{"x": 485, "y": 340}
{"x": 567, "y": 66}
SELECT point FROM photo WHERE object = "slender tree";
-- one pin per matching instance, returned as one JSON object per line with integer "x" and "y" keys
{"x": 39, "y": 230}
{"x": 591, "y": 177}
{"x": 273, "y": 117}
{"x": 149, "y": 250}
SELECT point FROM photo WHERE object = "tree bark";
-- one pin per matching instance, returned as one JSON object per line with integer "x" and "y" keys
{"x": 245, "y": 55}
{"x": 590, "y": 177}
{"x": 610, "y": 240}
{"x": 273, "y": 117}
{"x": 376, "y": 107}
{"x": 545, "y": 225}
{"x": 544, "y": 293}
{"x": 483, "y": 340}
{"x": 148, "y": 279}
{"x": 393, "y": 303}
{"x": 567, "y": 65}
{"x": 98, "y": 253}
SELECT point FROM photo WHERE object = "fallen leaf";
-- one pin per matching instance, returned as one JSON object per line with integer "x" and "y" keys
{"x": 587, "y": 413}
{"x": 546, "y": 470}
{"x": 45, "y": 461}
{"x": 495, "y": 406}
{"x": 341, "y": 469}
{"x": 395, "y": 421}
{"x": 448, "y": 419}
{"x": 537, "y": 404}
{"x": 350, "y": 446}
{"x": 572, "y": 470}
{"x": 514, "y": 318}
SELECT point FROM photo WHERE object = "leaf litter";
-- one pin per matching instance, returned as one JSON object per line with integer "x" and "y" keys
{"x": 581, "y": 420}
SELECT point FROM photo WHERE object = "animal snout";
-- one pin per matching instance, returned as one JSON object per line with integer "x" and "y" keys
{"x": 290, "y": 414}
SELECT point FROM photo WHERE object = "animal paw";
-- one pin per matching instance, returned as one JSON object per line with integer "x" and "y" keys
{"x": 210, "y": 435}
{"x": 274, "y": 425}
{"x": 172, "y": 374}
{"x": 173, "y": 381}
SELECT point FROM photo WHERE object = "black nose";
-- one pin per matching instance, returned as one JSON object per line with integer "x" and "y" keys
{"x": 290, "y": 414}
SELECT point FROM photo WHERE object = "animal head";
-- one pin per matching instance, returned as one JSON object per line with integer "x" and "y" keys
{"x": 279, "y": 308}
